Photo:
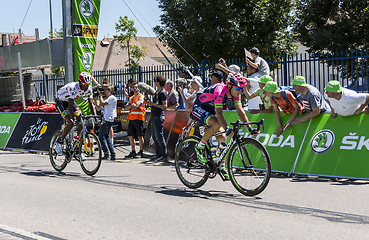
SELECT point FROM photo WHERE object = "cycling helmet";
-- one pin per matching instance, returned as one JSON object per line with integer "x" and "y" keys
{"x": 85, "y": 78}
{"x": 236, "y": 80}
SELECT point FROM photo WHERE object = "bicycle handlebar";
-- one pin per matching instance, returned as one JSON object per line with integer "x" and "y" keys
{"x": 239, "y": 123}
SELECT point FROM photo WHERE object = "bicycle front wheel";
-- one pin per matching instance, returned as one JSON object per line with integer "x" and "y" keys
{"x": 249, "y": 167}
{"x": 59, "y": 162}
{"x": 90, "y": 154}
{"x": 190, "y": 170}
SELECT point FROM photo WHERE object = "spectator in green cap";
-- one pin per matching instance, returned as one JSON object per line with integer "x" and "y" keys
{"x": 266, "y": 106}
{"x": 313, "y": 100}
{"x": 345, "y": 102}
{"x": 285, "y": 101}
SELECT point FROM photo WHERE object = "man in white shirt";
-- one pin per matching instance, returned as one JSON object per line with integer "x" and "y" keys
{"x": 109, "y": 110}
{"x": 253, "y": 84}
{"x": 343, "y": 101}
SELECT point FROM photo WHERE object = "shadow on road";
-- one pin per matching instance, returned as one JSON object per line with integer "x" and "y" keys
{"x": 179, "y": 191}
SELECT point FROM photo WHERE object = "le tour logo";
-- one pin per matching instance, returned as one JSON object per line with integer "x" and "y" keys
{"x": 35, "y": 132}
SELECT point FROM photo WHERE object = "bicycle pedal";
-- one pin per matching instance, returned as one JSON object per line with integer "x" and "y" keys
{"x": 223, "y": 177}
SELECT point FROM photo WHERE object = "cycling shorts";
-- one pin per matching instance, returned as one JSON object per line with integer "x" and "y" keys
{"x": 202, "y": 112}
{"x": 62, "y": 107}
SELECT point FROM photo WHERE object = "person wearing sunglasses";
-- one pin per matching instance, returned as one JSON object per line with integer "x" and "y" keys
{"x": 208, "y": 109}
{"x": 68, "y": 109}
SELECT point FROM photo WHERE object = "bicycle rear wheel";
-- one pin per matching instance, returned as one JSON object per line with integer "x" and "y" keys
{"x": 190, "y": 170}
{"x": 249, "y": 167}
{"x": 58, "y": 162}
{"x": 89, "y": 154}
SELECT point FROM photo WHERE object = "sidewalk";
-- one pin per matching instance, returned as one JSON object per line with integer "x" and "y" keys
{"x": 123, "y": 148}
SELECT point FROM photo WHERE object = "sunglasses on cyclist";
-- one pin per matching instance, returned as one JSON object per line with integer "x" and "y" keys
{"x": 238, "y": 88}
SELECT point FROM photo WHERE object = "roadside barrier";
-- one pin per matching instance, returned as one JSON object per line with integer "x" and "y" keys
{"x": 321, "y": 146}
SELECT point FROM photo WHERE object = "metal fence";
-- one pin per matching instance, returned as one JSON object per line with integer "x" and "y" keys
{"x": 348, "y": 67}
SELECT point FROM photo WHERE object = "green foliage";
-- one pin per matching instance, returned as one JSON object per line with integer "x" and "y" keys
{"x": 57, "y": 71}
{"x": 125, "y": 32}
{"x": 56, "y": 33}
{"x": 333, "y": 25}
{"x": 337, "y": 28}
{"x": 209, "y": 29}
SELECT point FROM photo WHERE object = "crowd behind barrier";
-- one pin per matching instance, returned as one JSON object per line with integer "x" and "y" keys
{"x": 321, "y": 146}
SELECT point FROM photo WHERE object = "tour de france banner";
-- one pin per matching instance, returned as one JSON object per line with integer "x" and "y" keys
{"x": 336, "y": 147}
{"x": 34, "y": 131}
{"x": 85, "y": 15}
{"x": 7, "y": 124}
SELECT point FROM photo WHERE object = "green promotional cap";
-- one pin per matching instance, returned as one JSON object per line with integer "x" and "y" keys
{"x": 299, "y": 80}
{"x": 333, "y": 86}
{"x": 265, "y": 79}
{"x": 271, "y": 86}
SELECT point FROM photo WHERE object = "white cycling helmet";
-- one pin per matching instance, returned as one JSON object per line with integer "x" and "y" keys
{"x": 85, "y": 78}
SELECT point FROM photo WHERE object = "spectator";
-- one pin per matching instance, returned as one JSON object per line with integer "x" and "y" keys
{"x": 95, "y": 89}
{"x": 288, "y": 104}
{"x": 266, "y": 106}
{"x": 313, "y": 100}
{"x": 158, "y": 105}
{"x": 234, "y": 68}
{"x": 258, "y": 62}
{"x": 128, "y": 92}
{"x": 136, "y": 117}
{"x": 216, "y": 77}
{"x": 196, "y": 85}
{"x": 343, "y": 101}
{"x": 109, "y": 109}
{"x": 181, "y": 85}
{"x": 251, "y": 86}
{"x": 172, "y": 96}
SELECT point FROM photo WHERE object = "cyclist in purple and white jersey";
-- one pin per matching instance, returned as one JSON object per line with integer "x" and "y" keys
{"x": 64, "y": 102}
{"x": 208, "y": 109}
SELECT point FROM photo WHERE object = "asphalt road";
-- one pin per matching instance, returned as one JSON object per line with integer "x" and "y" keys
{"x": 133, "y": 199}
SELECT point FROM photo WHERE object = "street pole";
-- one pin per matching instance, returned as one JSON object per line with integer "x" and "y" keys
{"x": 67, "y": 33}
{"x": 21, "y": 81}
{"x": 51, "y": 21}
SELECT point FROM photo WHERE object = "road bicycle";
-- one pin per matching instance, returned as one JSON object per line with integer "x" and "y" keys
{"x": 248, "y": 162}
{"x": 85, "y": 148}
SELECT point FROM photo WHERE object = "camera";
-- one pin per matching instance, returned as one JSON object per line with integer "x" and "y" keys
{"x": 96, "y": 90}
{"x": 181, "y": 82}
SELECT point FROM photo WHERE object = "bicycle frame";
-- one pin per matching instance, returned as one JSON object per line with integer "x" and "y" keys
{"x": 236, "y": 140}
{"x": 73, "y": 145}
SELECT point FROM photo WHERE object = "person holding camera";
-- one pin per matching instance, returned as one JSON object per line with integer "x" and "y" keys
{"x": 96, "y": 94}
{"x": 128, "y": 92}
{"x": 196, "y": 85}
{"x": 109, "y": 110}
{"x": 181, "y": 86}
{"x": 136, "y": 117}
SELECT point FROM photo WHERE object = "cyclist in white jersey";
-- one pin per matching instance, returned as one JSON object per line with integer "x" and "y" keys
{"x": 64, "y": 102}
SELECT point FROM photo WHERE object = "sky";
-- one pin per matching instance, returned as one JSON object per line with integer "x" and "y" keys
{"x": 14, "y": 11}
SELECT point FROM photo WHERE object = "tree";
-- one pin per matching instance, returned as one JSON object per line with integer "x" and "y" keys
{"x": 126, "y": 31}
{"x": 333, "y": 25}
{"x": 336, "y": 28}
{"x": 209, "y": 29}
